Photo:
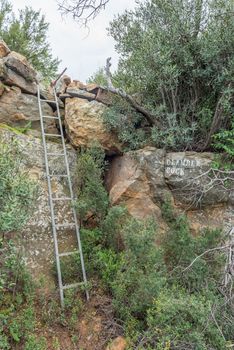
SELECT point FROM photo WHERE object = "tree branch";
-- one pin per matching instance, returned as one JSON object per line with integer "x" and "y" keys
{"x": 204, "y": 253}
{"x": 82, "y": 10}
{"x": 151, "y": 119}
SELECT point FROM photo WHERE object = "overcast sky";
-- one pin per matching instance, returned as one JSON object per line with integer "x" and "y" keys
{"x": 80, "y": 52}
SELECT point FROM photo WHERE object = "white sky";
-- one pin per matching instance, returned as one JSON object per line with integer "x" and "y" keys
{"x": 80, "y": 52}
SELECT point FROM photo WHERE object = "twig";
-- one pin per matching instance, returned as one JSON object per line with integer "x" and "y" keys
{"x": 206, "y": 252}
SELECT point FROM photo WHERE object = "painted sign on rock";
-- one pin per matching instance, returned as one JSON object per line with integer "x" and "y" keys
{"x": 178, "y": 166}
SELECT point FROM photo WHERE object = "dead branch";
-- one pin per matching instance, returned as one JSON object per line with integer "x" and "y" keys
{"x": 204, "y": 253}
{"x": 151, "y": 119}
{"x": 82, "y": 10}
{"x": 210, "y": 180}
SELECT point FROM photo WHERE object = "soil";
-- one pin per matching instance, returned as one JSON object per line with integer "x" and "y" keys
{"x": 94, "y": 328}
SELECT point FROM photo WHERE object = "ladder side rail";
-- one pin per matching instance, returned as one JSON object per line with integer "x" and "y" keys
{"x": 51, "y": 203}
{"x": 72, "y": 194}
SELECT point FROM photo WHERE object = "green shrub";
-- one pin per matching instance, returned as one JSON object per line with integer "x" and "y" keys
{"x": 183, "y": 321}
{"x": 142, "y": 272}
{"x": 126, "y": 123}
{"x": 224, "y": 140}
{"x": 181, "y": 247}
{"x": 112, "y": 226}
{"x": 178, "y": 55}
{"x": 17, "y": 192}
{"x": 92, "y": 196}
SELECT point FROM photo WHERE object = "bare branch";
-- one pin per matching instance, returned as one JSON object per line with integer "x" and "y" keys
{"x": 204, "y": 253}
{"x": 198, "y": 188}
{"x": 82, "y": 10}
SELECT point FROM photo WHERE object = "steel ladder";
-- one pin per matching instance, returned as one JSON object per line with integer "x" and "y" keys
{"x": 52, "y": 200}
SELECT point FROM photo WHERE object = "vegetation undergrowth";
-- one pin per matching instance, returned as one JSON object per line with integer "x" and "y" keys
{"x": 24, "y": 310}
{"x": 162, "y": 301}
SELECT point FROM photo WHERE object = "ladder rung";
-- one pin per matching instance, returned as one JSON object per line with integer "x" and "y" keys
{"x": 50, "y": 101}
{"x": 69, "y": 253}
{"x": 55, "y": 154}
{"x": 65, "y": 225}
{"x": 50, "y": 117}
{"x": 73, "y": 285}
{"x": 62, "y": 199}
{"x": 55, "y": 135}
{"x": 51, "y": 175}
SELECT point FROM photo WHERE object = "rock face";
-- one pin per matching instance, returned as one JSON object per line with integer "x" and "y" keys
{"x": 18, "y": 90}
{"x": 85, "y": 126}
{"x": 16, "y": 71}
{"x": 17, "y": 109}
{"x": 194, "y": 183}
{"x": 36, "y": 238}
{"x": 145, "y": 179}
{"x": 127, "y": 183}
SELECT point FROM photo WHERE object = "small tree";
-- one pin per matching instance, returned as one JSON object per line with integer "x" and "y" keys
{"x": 179, "y": 55}
{"x": 27, "y": 34}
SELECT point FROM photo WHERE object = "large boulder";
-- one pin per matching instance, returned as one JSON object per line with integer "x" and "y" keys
{"x": 15, "y": 70}
{"x": 36, "y": 237}
{"x": 127, "y": 182}
{"x": 145, "y": 179}
{"x": 85, "y": 126}
{"x": 17, "y": 109}
{"x": 193, "y": 181}
{"x": 19, "y": 64}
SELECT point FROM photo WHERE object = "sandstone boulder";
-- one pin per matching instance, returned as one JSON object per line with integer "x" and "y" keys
{"x": 4, "y": 49}
{"x": 145, "y": 179}
{"x": 193, "y": 181}
{"x": 15, "y": 70}
{"x": 84, "y": 125}
{"x": 17, "y": 109}
{"x": 19, "y": 64}
{"x": 128, "y": 184}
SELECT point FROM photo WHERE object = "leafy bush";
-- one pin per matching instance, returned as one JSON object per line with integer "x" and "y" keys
{"x": 92, "y": 196}
{"x": 179, "y": 320}
{"x": 17, "y": 192}
{"x": 224, "y": 141}
{"x": 142, "y": 272}
{"x": 181, "y": 247}
{"x": 126, "y": 123}
{"x": 17, "y": 314}
{"x": 179, "y": 56}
